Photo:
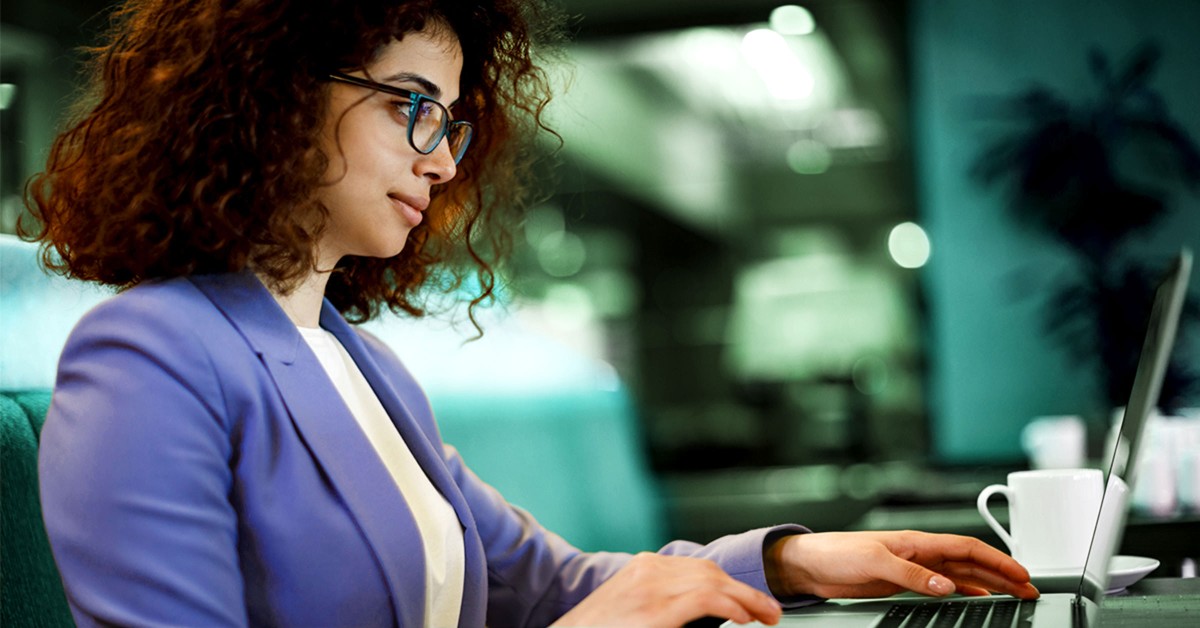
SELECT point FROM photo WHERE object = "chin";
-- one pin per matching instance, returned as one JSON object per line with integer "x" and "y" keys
{"x": 387, "y": 250}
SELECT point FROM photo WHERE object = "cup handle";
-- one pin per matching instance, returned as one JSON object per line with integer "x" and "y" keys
{"x": 982, "y": 505}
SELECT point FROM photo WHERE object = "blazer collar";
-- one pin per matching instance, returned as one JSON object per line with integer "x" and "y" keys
{"x": 345, "y": 454}
{"x": 251, "y": 309}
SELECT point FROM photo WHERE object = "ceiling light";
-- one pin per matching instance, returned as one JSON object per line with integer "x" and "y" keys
{"x": 790, "y": 19}
{"x": 778, "y": 66}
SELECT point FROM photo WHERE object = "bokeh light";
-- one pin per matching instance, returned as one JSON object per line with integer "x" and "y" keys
{"x": 909, "y": 245}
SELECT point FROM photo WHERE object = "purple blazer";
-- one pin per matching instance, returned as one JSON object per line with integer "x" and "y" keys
{"x": 197, "y": 467}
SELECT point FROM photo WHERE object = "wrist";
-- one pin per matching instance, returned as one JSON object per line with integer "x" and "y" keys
{"x": 773, "y": 563}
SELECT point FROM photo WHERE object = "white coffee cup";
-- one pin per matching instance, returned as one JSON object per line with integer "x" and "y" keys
{"x": 1052, "y": 513}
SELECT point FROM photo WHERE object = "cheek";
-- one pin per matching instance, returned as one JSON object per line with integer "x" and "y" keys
{"x": 345, "y": 178}
{"x": 369, "y": 155}
{"x": 349, "y": 142}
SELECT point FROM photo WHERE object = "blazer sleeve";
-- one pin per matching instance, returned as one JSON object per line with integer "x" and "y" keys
{"x": 135, "y": 473}
{"x": 535, "y": 576}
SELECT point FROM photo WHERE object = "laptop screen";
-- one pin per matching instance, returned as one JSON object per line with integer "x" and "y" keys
{"x": 1143, "y": 397}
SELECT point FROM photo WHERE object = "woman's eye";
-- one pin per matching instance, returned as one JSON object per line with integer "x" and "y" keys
{"x": 403, "y": 107}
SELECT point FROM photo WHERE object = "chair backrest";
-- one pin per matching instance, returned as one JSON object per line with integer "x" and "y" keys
{"x": 31, "y": 591}
{"x": 37, "y": 311}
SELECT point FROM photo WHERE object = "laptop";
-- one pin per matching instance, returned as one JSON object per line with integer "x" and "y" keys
{"x": 1077, "y": 602}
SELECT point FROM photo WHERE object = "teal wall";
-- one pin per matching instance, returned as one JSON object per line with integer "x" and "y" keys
{"x": 990, "y": 368}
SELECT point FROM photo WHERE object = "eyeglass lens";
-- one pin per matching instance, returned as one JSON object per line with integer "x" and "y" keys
{"x": 431, "y": 123}
{"x": 428, "y": 125}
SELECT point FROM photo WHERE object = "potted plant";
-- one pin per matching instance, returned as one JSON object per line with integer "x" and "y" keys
{"x": 1092, "y": 175}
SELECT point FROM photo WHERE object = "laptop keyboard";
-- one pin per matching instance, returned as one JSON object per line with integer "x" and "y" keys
{"x": 960, "y": 614}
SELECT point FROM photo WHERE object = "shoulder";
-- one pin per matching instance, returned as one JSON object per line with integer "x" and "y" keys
{"x": 169, "y": 335}
{"x": 152, "y": 300}
{"x": 172, "y": 312}
{"x": 162, "y": 307}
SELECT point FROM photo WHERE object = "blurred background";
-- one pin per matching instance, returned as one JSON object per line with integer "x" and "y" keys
{"x": 819, "y": 262}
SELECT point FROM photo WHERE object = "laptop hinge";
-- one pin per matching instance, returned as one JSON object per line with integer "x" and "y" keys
{"x": 1079, "y": 615}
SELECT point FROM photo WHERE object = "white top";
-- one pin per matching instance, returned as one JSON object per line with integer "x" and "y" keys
{"x": 440, "y": 530}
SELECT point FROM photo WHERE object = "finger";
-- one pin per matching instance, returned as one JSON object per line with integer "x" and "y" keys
{"x": 722, "y": 596}
{"x": 913, "y": 577}
{"x": 741, "y": 604}
{"x": 976, "y": 575}
{"x": 1023, "y": 591}
{"x": 759, "y": 605}
{"x": 970, "y": 561}
{"x": 700, "y": 603}
{"x": 871, "y": 589}
{"x": 966, "y": 589}
{"x": 953, "y": 547}
{"x": 655, "y": 590}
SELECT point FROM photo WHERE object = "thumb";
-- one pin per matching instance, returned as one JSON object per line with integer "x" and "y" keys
{"x": 916, "y": 578}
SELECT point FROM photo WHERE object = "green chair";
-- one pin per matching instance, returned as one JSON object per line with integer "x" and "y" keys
{"x": 31, "y": 592}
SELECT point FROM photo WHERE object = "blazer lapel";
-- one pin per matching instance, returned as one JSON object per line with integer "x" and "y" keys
{"x": 332, "y": 435}
{"x": 428, "y": 456}
{"x": 418, "y": 441}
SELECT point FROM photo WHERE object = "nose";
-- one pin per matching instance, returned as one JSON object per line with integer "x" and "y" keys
{"x": 438, "y": 165}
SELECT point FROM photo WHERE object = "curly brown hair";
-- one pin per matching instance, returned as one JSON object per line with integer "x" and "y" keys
{"x": 195, "y": 148}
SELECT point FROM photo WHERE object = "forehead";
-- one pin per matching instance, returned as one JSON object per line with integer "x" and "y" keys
{"x": 433, "y": 53}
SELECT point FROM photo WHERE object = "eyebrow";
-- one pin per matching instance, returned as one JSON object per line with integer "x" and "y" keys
{"x": 431, "y": 89}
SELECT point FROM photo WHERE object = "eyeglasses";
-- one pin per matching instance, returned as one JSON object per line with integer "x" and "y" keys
{"x": 428, "y": 120}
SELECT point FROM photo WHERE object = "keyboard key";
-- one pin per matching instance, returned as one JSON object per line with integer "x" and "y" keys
{"x": 895, "y": 616}
{"x": 976, "y": 615}
{"x": 949, "y": 615}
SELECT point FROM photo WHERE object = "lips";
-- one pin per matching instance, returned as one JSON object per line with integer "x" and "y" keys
{"x": 410, "y": 207}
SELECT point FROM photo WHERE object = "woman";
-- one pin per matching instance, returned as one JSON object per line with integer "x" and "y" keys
{"x": 224, "y": 448}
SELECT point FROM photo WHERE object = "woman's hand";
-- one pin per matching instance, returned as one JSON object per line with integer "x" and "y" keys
{"x": 655, "y": 590}
{"x": 878, "y": 564}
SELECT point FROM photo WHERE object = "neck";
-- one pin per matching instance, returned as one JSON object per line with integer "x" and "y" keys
{"x": 303, "y": 304}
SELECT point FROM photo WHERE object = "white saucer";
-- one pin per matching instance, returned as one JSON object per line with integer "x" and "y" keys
{"x": 1122, "y": 572}
{"x": 1126, "y": 570}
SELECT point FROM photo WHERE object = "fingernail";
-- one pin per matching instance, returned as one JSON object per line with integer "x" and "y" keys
{"x": 941, "y": 586}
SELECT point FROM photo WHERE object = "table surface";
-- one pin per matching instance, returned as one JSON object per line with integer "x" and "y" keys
{"x": 1157, "y": 602}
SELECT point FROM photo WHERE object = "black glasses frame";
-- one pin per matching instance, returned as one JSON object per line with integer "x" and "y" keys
{"x": 452, "y": 128}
